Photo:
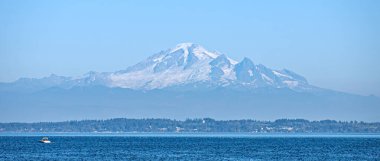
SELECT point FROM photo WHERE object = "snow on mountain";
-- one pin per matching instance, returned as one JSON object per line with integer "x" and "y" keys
{"x": 185, "y": 64}
{"x": 189, "y": 63}
{"x": 195, "y": 82}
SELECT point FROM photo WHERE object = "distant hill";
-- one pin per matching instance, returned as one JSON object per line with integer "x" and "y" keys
{"x": 195, "y": 125}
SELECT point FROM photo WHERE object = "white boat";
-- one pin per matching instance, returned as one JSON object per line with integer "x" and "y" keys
{"x": 45, "y": 140}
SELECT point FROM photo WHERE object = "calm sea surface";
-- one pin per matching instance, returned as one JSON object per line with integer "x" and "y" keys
{"x": 188, "y": 147}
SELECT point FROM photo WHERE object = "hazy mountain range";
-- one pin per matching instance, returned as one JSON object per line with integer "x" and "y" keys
{"x": 186, "y": 81}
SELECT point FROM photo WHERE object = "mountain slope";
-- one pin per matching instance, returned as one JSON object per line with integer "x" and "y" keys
{"x": 186, "y": 81}
{"x": 184, "y": 64}
{"x": 99, "y": 102}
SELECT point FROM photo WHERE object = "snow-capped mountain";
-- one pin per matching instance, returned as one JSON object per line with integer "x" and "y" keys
{"x": 187, "y": 64}
{"x": 186, "y": 81}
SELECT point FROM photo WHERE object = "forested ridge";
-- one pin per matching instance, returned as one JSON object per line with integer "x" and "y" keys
{"x": 195, "y": 125}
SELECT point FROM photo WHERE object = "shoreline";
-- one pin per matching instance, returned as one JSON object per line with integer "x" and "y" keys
{"x": 189, "y": 134}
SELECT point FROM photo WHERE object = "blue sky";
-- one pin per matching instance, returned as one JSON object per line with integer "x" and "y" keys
{"x": 334, "y": 44}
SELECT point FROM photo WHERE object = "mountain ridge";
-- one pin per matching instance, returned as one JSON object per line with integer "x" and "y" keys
{"x": 198, "y": 125}
{"x": 186, "y": 63}
{"x": 186, "y": 81}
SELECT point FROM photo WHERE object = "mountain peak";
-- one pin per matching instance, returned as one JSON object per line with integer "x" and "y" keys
{"x": 188, "y": 64}
{"x": 246, "y": 61}
{"x": 220, "y": 61}
{"x": 186, "y": 45}
{"x": 192, "y": 48}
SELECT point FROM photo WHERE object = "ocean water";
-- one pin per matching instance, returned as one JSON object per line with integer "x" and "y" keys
{"x": 172, "y": 147}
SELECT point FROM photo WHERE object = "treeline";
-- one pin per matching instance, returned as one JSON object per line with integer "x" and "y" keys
{"x": 195, "y": 125}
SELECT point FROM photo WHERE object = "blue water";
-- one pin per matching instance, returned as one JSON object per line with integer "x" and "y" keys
{"x": 174, "y": 147}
